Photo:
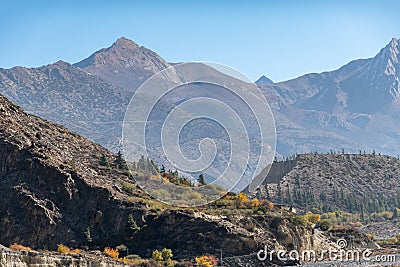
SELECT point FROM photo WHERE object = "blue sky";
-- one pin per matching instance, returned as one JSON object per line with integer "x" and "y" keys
{"x": 281, "y": 39}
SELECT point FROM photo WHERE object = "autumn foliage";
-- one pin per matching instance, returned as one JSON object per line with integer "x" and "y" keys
{"x": 66, "y": 250}
{"x": 312, "y": 217}
{"x": 206, "y": 261}
{"x": 255, "y": 203}
{"x": 113, "y": 253}
{"x": 16, "y": 246}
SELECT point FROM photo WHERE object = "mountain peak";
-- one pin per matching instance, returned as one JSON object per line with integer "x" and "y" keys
{"x": 264, "y": 80}
{"x": 389, "y": 56}
{"x": 391, "y": 51}
{"x": 61, "y": 63}
{"x": 394, "y": 48}
{"x": 124, "y": 64}
{"x": 394, "y": 42}
{"x": 123, "y": 42}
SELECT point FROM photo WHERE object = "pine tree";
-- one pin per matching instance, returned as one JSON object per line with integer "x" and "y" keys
{"x": 201, "y": 180}
{"x": 120, "y": 161}
{"x": 162, "y": 171}
{"x": 104, "y": 161}
{"x": 88, "y": 236}
{"x": 133, "y": 227}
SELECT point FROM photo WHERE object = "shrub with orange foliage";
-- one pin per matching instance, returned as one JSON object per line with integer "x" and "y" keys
{"x": 267, "y": 204}
{"x": 113, "y": 253}
{"x": 255, "y": 203}
{"x": 206, "y": 261}
{"x": 242, "y": 197}
{"x": 16, "y": 246}
{"x": 76, "y": 251}
{"x": 242, "y": 201}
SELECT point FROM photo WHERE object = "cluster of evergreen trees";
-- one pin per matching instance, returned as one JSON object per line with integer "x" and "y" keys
{"x": 119, "y": 161}
{"x": 339, "y": 199}
{"x": 146, "y": 165}
{"x": 175, "y": 177}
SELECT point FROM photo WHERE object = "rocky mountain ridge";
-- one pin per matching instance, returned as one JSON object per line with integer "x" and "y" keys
{"x": 69, "y": 96}
{"x": 354, "y": 107}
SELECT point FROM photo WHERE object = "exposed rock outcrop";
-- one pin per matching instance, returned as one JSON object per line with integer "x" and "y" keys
{"x": 188, "y": 233}
{"x": 10, "y": 258}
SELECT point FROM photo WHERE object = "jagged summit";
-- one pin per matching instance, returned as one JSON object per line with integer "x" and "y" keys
{"x": 394, "y": 50}
{"x": 387, "y": 57}
{"x": 123, "y": 42}
{"x": 124, "y": 64}
{"x": 264, "y": 80}
{"x": 394, "y": 42}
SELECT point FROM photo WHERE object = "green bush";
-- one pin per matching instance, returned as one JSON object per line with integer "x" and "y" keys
{"x": 300, "y": 220}
{"x": 167, "y": 254}
{"x": 157, "y": 256}
{"x": 324, "y": 225}
{"x": 129, "y": 188}
{"x": 133, "y": 227}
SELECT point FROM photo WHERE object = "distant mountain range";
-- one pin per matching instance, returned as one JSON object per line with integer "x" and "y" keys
{"x": 352, "y": 108}
{"x": 90, "y": 97}
{"x": 355, "y": 107}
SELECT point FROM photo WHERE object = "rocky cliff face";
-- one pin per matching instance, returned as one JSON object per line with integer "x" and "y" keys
{"x": 51, "y": 187}
{"x": 10, "y": 258}
{"x": 234, "y": 234}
